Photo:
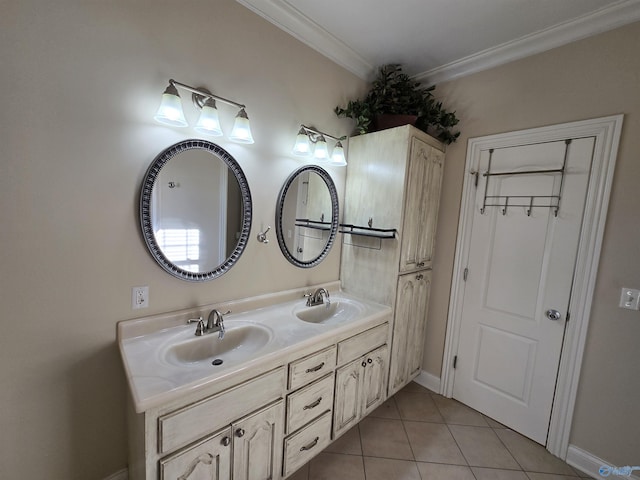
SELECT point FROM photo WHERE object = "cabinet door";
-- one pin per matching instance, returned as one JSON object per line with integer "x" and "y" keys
{"x": 209, "y": 459}
{"x": 408, "y": 328}
{"x": 374, "y": 387}
{"x": 348, "y": 402}
{"x": 421, "y": 206}
{"x": 257, "y": 444}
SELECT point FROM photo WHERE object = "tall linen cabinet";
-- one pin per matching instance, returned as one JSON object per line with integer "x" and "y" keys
{"x": 393, "y": 183}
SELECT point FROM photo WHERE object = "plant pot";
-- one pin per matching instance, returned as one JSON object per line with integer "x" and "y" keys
{"x": 390, "y": 120}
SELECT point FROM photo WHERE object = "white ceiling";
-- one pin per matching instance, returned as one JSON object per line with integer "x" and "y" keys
{"x": 437, "y": 40}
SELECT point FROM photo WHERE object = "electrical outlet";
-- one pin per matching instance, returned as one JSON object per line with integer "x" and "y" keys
{"x": 630, "y": 299}
{"x": 139, "y": 297}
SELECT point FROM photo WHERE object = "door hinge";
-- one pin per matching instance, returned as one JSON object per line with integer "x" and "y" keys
{"x": 455, "y": 361}
{"x": 465, "y": 274}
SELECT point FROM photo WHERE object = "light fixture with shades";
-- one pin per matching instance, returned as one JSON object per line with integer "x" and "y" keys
{"x": 308, "y": 136}
{"x": 170, "y": 112}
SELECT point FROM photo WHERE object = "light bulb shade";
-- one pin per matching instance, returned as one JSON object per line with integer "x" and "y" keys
{"x": 302, "y": 146}
{"x": 321, "y": 152}
{"x": 337, "y": 157}
{"x": 241, "y": 132}
{"x": 209, "y": 123}
{"x": 170, "y": 110}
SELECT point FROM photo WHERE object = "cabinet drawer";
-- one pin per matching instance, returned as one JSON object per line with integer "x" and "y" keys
{"x": 189, "y": 423}
{"x": 309, "y": 402}
{"x": 364, "y": 342}
{"x": 306, "y": 444}
{"x": 311, "y": 367}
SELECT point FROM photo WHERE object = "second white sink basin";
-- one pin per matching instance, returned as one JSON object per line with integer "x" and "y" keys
{"x": 337, "y": 311}
{"x": 240, "y": 343}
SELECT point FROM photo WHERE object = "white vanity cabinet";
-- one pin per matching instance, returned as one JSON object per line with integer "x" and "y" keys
{"x": 361, "y": 384}
{"x": 393, "y": 182}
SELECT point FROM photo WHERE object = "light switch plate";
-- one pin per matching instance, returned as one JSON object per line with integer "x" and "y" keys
{"x": 630, "y": 299}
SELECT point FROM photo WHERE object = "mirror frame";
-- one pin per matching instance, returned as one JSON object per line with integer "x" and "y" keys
{"x": 333, "y": 193}
{"x": 145, "y": 209}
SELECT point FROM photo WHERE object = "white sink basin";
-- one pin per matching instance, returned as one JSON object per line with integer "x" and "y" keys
{"x": 338, "y": 311}
{"x": 240, "y": 343}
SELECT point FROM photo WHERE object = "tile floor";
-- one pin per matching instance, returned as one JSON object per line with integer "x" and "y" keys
{"x": 418, "y": 435}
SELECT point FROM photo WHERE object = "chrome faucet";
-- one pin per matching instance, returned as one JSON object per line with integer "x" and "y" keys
{"x": 315, "y": 298}
{"x": 215, "y": 323}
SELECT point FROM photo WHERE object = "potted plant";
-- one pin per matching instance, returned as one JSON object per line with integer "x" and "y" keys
{"x": 393, "y": 93}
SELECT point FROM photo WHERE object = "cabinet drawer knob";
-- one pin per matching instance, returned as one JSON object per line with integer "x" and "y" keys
{"x": 240, "y": 432}
{"x": 420, "y": 264}
{"x": 311, "y": 445}
{"x": 313, "y": 405}
{"x": 419, "y": 277}
{"x": 226, "y": 441}
{"x": 316, "y": 368}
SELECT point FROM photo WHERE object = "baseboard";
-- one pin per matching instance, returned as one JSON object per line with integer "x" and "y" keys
{"x": 428, "y": 380}
{"x": 121, "y": 475}
{"x": 590, "y": 464}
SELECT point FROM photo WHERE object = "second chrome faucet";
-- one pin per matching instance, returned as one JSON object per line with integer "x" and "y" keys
{"x": 215, "y": 323}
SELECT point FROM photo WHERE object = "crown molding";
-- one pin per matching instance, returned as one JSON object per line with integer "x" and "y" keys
{"x": 287, "y": 18}
{"x": 602, "y": 20}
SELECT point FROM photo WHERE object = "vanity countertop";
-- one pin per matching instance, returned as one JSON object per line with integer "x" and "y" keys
{"x": 155, "y": 379}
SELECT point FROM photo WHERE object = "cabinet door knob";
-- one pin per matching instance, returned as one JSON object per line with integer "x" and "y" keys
{"x": 420, "y": 264}
{"x": 240, "y": 432}
{"x": 226, "y": 441}
{"x": 369, "y": 360}
{"x": 419, "y": 277}
{"x": 364, "y": 364}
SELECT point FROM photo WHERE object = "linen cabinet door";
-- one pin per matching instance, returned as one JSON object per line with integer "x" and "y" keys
{"x": 420, "y": 305}
{"x": 374, "y": 387}
{"x": 347, "y": 408}
{"x": 257, "y": 444}
{"x": 209, "y": 459}
{"x": 422, "y": 201}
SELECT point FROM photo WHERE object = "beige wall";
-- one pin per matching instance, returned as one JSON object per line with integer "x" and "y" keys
{"x": 595, "y": 77}
{"x": 80, "y": 83}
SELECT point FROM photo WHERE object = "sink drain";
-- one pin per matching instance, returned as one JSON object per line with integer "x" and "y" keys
{"x": 217, "y": 361}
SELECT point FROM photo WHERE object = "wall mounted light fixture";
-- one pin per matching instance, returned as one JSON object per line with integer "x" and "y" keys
{"x": 308, "y": 136}
{"x": 170, "y": 112}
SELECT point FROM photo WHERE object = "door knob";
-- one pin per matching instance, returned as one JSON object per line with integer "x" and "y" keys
{"x": 553, "y": 314}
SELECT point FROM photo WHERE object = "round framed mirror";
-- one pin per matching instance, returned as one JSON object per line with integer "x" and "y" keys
{"x": 307, "y": 216}
{"x": 195, "y": 210}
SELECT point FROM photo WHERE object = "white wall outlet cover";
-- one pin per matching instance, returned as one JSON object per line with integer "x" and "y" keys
{"x": 139, "y": 297}
{"x": 630, "y": 298}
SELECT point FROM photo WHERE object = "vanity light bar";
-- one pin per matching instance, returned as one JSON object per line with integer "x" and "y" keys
{"x": 170, "y": 112}
{"x": 307, "y": 135}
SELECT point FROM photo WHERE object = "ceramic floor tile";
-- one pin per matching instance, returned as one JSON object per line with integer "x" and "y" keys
{"x": 438, "y": 471}
{"x": 481, "y": 447}
{"x": 432, "y": 442}
{"x": 495, "y": 474}
{"x": 387, "y": 410}
{"x": 386, "y": 468}
{"x": 413, "y": 387}
{"x": 417, "y": 407}
{"x": 348, "y": 443}
{"x": 457, "y": 413}
{"x": 492, "y": 423}
{"x": 550, "y": 476}
{"x": 531, "y": 456}
{"x": 301, "y": 474}
{"x": 330, "y": 466}
{"x": 384, "y": 438}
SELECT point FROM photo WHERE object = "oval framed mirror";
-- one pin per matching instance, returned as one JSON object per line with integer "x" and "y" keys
{"x": 195, "y": 210}
{"x": 307, "y": 216}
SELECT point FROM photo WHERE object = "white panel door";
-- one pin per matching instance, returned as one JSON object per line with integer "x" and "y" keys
{"x": 520, "y": 266}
